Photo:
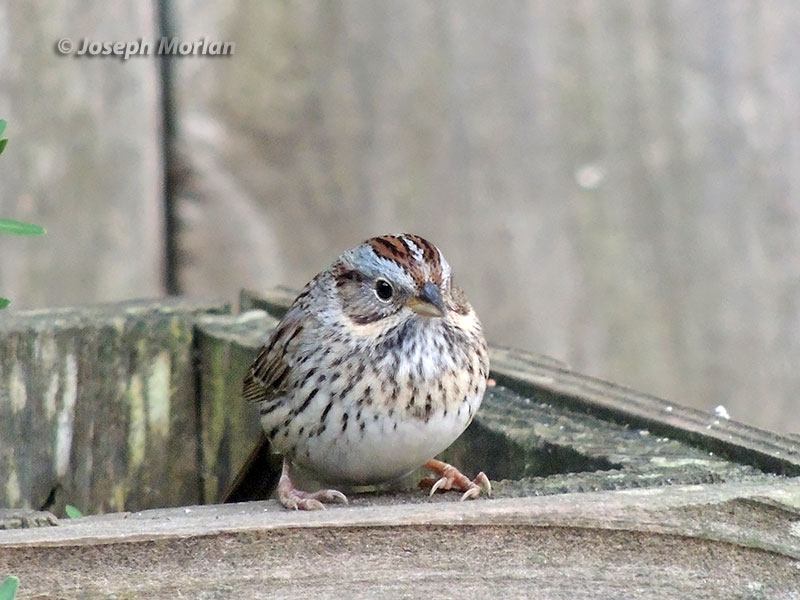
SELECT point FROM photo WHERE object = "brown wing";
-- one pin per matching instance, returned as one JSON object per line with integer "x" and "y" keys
{"x": 269, "y": 373}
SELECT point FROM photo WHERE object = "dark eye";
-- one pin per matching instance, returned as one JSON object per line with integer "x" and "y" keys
{"x": 383, "y": 289}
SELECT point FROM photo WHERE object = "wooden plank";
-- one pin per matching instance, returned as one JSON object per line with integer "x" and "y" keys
{"x": 770, "y": 452}
{"x": 97, "y": 406}
{"x": 722, "y": 539}
{"x": 225, "y": 346}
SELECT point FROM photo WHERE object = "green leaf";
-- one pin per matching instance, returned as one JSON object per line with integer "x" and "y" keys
{"x": 3, "y": 143}
{"x": 72, "y": 512}
{"x": 9, "y": 587}
{"x": 2, "y": 126}
{"x": 4, "y": 302}
{"x": 17, "y": 228}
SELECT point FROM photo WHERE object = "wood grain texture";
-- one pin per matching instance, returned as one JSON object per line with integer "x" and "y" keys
{"x": 83, "y": 157}
{"x": 771, "y": 452}
{"x": 698, "y": 541}
{"x": 225, "y": 347}
{"x": 97, "y": 406}
{"x": 733, "y": 532}
{"x": 611, "y": 181}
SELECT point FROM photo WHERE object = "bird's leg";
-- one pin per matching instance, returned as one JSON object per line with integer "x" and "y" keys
{"x": 295, "y": 499}
{"x": 451, "y": 478}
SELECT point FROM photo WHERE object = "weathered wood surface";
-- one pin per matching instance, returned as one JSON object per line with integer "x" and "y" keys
{"x": 611, "y": 180}
{"x": 715, "y": 514}
{"x": 771, "y": 452}
{"x": 83, "y": 157}
{"x": 703, "y": 541}
{"x": 97, "y": 406}
{"x": 225, "y": 347}
{"x": 590, "y": 168}
{"x": 110, "y": 387}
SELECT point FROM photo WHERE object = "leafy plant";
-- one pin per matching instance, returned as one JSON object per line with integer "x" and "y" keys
{"x": 14, "y": 227}
{"x": 72, "y": 513}
{"x": 3, "y": 142}
{"x": 9, "y": 587}
{"x": 18, "y": 228}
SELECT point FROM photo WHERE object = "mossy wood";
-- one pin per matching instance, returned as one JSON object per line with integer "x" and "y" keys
{"x": 97, "y": 406}
{"x": 715, "y": 501}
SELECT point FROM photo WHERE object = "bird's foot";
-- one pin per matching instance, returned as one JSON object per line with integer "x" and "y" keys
{"x": 295, "y": 499}
{"x": 451, "y": 478}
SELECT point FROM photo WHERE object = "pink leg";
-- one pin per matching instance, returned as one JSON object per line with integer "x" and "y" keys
{"x": 451, "y": 478}
{"x": 295, "y": 499}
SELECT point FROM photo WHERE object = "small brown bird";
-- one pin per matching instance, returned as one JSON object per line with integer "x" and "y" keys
{"x": 379, "y": 364}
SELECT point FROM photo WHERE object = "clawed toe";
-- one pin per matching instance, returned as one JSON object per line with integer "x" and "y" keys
{"x": 295, "y": 499}
{"x": 299, "y": 500}
{"x": 443, "y": 482}
{"x": 297, "y": 503}
{"x": 451, "y": 478}
{"x": 330, "y": 496}
{"x": 476, "y": 486}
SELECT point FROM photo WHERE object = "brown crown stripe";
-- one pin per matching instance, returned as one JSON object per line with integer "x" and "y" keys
{"x": 396, "y": 249}
{"x": 390, "y": 247}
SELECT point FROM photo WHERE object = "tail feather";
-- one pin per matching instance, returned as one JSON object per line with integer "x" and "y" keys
{"x": 258, "y": 477}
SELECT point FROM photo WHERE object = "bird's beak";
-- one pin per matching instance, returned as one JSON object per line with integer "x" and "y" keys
{"x": 428, "y": 303}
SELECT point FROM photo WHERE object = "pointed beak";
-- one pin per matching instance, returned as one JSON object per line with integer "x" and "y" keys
{"x": 428, "y": 303}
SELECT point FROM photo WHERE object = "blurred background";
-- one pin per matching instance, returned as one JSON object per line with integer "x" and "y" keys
{"x": 615, "y": 183}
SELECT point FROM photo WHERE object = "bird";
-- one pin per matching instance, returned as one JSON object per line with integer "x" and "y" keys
{"x": 378, "y": 365}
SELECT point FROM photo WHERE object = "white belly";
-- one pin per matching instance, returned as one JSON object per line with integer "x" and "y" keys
{"x": 384, "y": 449}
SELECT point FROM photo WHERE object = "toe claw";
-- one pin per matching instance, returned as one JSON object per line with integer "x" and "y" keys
{"x": 440, "y": 483}
{"x": 452, "y": 478}
{"x": 329, "y": 496}
{"x": 483, "y": 482}
{"x": 471, "y": 493}
{"x": 338, "y": 496}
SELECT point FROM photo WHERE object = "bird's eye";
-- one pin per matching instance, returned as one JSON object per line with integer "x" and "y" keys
{"x": 383, "y": 290}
